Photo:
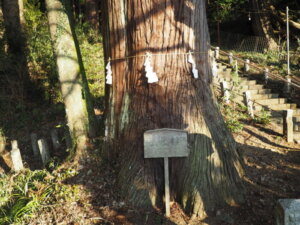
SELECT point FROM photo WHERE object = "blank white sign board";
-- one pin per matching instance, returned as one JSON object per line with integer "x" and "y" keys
{"x": 165, "y": 143}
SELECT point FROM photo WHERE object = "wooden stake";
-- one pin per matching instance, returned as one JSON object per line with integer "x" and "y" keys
{"x": 167, "y": 186}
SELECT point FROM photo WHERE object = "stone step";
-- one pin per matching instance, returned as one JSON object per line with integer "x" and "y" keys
{"x": 221, "y": 66}
{"x": 277, "y": 107}
{"x": 224, "y": 72}
{"x": 260, "y": 91}
{"x": 296, "y": 119}
{"x": 296, "y": 136}
{"x": 264, "y": 96}
{"x": 296, "y": 112}
{"x": 258, "y": 97}
{"x": 271, "y": 101}
{"x": 250, "y": 87}
{"x": 297, "y": 127}
{"x": 220, "y": 79}
{"x": 247, "y": 82}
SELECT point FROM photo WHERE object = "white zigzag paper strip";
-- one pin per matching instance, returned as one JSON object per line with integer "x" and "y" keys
{"x": 108, "y": 73}
{"x": 194, "y": 70}
{"x": 150, "y": 74}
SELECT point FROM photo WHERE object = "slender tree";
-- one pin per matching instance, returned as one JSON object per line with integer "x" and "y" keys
{"x": 17, "y": 49}
{"x": 211, "y": 175}
{"x": 13, "y": 26}
{"x": 71, "y": 73}
{"x": 92, "y": 13}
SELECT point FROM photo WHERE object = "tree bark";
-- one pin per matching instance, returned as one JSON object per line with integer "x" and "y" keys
{"x": 211, "y": 176}
{"x": 14, "y": 32}
{"x": 17, "y": 48}
{"x": 261, "y": 22}
{"x": 91, "y": 13}
{"x": 71, "y": 73}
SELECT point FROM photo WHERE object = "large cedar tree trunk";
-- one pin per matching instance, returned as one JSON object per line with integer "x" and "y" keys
{"x": 71, "y": 74}
{"x": 211, "y": 176}
{"x": 261, "y": 22}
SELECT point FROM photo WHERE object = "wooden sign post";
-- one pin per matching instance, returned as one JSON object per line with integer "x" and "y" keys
{"x": 165, "y": 143}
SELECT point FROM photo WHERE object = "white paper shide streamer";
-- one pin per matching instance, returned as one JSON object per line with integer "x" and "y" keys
{"x": 150, "y": 74}
{"x": 108, "y": 73}
{"x": 191, "y": 61}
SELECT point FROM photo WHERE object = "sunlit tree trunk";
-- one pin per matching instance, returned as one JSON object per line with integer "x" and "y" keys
{"x": 72, "y": 78}
{"x": 211, "y": 176}
{"x": 261, "y": 22}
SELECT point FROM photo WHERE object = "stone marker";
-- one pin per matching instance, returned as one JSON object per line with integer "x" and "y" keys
{"x": 287, "y": 212}
{"x": 55, "y": 140}
{"x": 16, "y": 156}
{"x": 288, "y": 126}
{"x": 249, "y": 103}
{"x": 230, "y": 58}
{"x": 225, "y": 91}
{"x": 44, "y": 151}
{"x": 165, "y": 143}
{"x": 217, "y": 52}
{"x": 247, "y": 65}
{"x": 266, "y": 75}
{"x": 35, "y": 147}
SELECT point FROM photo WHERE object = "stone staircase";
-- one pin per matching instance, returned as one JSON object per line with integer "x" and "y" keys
{"x": 262, "y": 97}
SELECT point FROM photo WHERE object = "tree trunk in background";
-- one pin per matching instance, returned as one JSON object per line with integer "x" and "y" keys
{"x": 13, "y": 28}
{"x": 21, "y": 14}
{"x": 14, "y": 31}
{"x": 92, "y": 13}
{"x": 211, "y": 176}
{"x": 261, "y": 23}
{"x": 72, "y": 78}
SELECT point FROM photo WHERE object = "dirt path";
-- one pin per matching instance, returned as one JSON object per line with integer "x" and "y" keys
{"x": 272, "y": 169}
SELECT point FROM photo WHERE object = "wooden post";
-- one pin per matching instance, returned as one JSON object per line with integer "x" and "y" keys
{"x": 288, "y": 127}
{"x": 44, "y": 151}
{"x": 217, "y": 52}
{"x": 288, "y": 41}
{"x": 225, "y": 91}
{"x": 230, "y": 58}
{"x": 247, "y": 65}
{"x": 249, "y": 103}
{"x": 167, "y": 186}
{"x": 16, "y": 156}
{"x": 55, "y": 140}
{"x": 35, "y": 147}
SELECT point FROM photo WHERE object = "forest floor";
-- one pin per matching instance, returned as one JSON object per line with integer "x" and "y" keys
{"x": 272, "y": 169}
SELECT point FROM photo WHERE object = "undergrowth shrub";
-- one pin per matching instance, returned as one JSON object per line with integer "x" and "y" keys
{"x": 23, "y": 195}
{"x": 234, "y": 115}
{"x": 263, "y": 117}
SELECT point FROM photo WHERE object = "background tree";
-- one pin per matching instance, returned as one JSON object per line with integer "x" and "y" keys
{"x": 261, "y": 22}
{"x": 211, "y": 175}
{"x": 78, "y": 105}
{"x": 92, "y": 13}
